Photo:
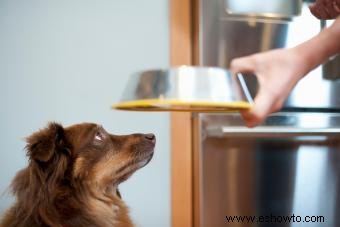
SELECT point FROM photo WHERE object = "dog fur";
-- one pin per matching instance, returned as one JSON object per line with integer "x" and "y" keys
{"x": 73, "y": 175}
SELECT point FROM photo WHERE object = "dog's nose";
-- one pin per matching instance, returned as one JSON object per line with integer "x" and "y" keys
{"x": 150, "y": 136}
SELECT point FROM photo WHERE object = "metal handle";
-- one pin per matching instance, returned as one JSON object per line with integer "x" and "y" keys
{"x": 272, "y": 131}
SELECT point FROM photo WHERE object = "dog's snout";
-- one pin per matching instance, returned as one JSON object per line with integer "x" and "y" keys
{"x": 150, "y": 136}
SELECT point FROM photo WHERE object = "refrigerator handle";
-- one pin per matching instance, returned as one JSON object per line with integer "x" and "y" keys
{"x": 271, "y": 131}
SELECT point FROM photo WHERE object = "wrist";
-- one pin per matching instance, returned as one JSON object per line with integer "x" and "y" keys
{"x": 334, "y": 35}
{"x": 319, "y": 48}
{"x": 302, "y": 62}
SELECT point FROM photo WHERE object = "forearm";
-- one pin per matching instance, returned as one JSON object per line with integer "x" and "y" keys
{"x": 318, "y": 49}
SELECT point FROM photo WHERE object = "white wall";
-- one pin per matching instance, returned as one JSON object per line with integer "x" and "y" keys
{"x": 68, "y": 61}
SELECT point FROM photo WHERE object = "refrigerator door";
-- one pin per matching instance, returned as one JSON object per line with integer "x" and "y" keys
{"x": 230, "y": 29}
{"x": 283, "y": 173}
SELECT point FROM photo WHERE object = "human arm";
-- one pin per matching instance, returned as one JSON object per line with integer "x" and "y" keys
{"x": 279, "y": 70}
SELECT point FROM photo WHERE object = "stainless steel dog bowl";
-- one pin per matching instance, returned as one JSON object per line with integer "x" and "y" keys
{"x": 186, "y": 88}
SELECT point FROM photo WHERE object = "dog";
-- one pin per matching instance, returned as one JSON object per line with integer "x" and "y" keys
{"x": 73, "y": 175}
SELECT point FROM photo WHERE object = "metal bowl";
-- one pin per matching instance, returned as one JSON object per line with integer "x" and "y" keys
{"x": 186, "y": 88}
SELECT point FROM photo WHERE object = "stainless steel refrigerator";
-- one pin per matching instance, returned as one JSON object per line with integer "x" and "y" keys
{"x": 285, "y": 172}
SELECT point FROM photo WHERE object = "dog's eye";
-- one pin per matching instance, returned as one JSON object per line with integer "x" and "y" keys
{"x": 98, "y": 136}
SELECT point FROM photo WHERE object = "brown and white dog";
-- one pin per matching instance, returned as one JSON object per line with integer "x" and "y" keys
{"x": 73, "y": 175}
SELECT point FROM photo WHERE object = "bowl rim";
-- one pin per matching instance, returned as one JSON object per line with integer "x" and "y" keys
{"x": 182, "y": 105}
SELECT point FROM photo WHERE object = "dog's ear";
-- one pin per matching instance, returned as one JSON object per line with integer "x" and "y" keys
{"x": 42, "y": 145}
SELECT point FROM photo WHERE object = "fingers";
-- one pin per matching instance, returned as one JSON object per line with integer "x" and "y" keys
{"x": 243, "y": 64}
{"x": 264, "y": 104}
{"x": 259, "y": 110}
{"x": 247, "y": 65}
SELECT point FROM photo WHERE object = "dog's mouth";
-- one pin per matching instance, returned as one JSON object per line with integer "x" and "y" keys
{"x": 137, "y": 160}
{"x": 144, "y": 161}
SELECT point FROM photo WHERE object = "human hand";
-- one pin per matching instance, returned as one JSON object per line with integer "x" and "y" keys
{"x": 325, "y": 9}
{"x": 277, "y": 72}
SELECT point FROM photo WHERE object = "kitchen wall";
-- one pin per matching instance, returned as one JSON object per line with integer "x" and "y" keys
{"x": 68, "y": 61}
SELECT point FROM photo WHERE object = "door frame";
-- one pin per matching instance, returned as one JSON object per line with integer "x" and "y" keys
{"x": 183, "y": 51}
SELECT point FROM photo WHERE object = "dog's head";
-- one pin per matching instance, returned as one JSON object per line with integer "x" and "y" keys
{"x": 74, "y": 172}
{"x": 87, "y": 154}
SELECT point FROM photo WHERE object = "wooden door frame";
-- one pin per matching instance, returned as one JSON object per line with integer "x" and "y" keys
{"x": 183, "y": 39}
{"x": 181, "y": 147}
